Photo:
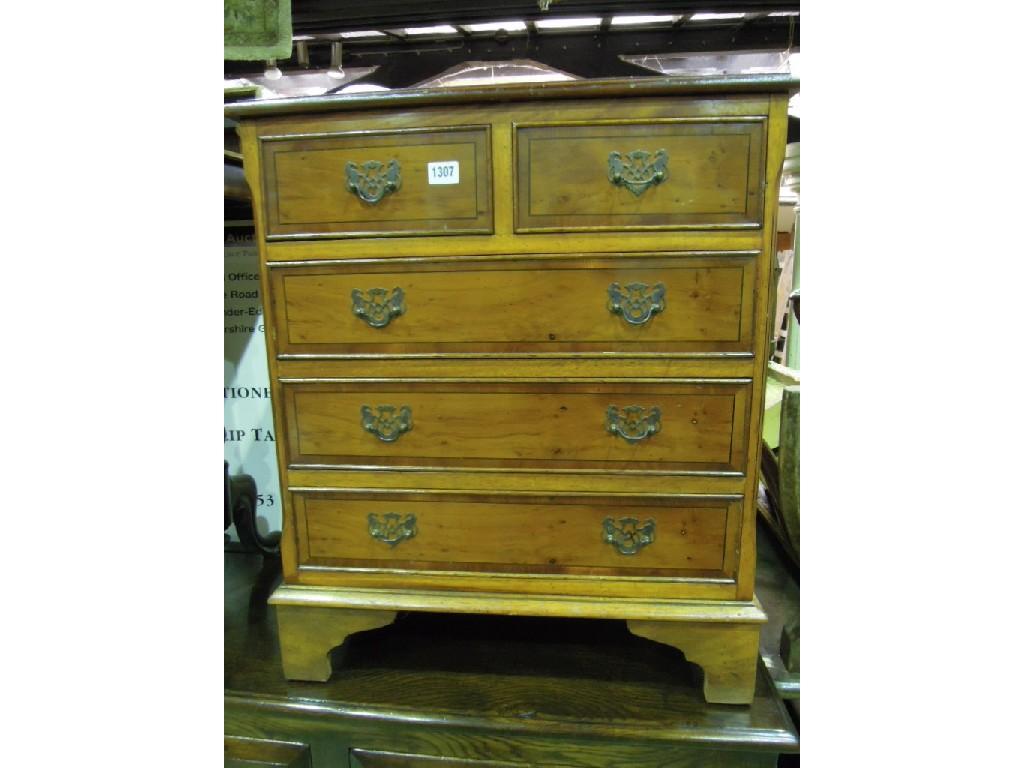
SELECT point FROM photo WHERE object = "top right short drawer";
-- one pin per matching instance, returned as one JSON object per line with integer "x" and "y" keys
{"x": 681, "y": 173}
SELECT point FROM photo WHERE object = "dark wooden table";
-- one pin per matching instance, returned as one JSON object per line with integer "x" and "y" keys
{"x": 439, "y": 691}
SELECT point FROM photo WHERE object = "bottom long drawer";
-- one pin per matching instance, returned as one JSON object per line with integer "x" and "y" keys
{"x": 599, "y": 535}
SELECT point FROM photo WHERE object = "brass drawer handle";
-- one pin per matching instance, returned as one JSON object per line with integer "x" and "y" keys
{"x": 372, "y": 184}
{"x": 389, "y": 423}
{"x": 627, "y": 535}
{"x": 378, "y": 306}
{"x": 634, "y": 422}
{"x": 637, "y": 171}
{"x": 391, "y": 527}
{"x": 637, "y": 302}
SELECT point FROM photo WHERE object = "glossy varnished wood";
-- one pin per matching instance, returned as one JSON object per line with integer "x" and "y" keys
{"x": 308, "y": 633}
{"x": 764, "y": 302}
{"x": 727, "y": 654}
{"x": 714, "y": 173}
{"x": 512, "y": 305}
{"x": 513, "y": 424}
{"x": 362, "y": 758}
{"x": 518, "y": 534}
{"x": 627, "y": 482}
{"x": 525, "y": 691}
{"x": 306, "y": 188}
{"x": 247, "y": 753}
{"x": 488, "y": 395}
{"x": 584, "y": 89}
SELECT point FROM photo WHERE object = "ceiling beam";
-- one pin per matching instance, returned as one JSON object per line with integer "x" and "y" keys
{"x": 405, "y": 63}
{"x": 326, "y": 16}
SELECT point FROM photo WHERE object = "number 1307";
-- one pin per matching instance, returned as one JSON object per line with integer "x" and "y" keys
{"x": 443, "y": 173}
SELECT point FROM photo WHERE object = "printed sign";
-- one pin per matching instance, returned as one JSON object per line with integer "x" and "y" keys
{"x": 249, "y": 440}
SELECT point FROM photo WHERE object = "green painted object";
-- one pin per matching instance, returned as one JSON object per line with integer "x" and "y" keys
{"x": 256, "y": 30}
{"x": 779, "y": 377}
{"x": 789, "y": 464}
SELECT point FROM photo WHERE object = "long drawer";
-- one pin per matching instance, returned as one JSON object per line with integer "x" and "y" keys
{"x": 628, "y": 174}
{"x": 678, "y": 427}
{"x": 493, "y": 533}
{"x": 684, "y": 303}
{"x": 378, "y": 183}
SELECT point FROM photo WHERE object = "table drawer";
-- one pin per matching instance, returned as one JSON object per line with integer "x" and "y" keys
{"x": 618, "y": 175}
{"x": 698, "y": 303}
{"x": 561, "y": 426}
{"x": 362, "y": 758}
{"x": 378, "y": 183}
{"x": 530, "y": 534}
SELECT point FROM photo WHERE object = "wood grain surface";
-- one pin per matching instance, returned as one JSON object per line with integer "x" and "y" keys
{"x": 501, "y": 534}
{"x": 516, "y": 306}
{"x": 714, "y": 175}
{"x": 307, "y": 190}
{"x": 563, "y": 692}
{"x": 513, "y": 424}
{"x": 507, "y": 355}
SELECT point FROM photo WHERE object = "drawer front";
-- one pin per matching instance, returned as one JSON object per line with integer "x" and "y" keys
{"x": 561, "y": 426}
{"x": 686, "y": 173}
{"x": 692, "y": 303}
{"x": 362, "y": 758}
{"x": 378, "y": 183}
{"x": 246, "y": 752}
{"x": 573, "y": 535}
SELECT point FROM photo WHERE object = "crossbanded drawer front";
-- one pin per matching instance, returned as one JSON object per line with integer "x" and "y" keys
{"x": 694, "y": 303}
{"x": 378, "y": 183}
{"x": 685, "y": 173}
{"x": 543, "y": 535}
{"x": 676, "y": 427}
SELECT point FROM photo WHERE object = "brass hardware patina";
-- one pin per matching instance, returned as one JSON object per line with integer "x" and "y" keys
{"x": 628, "y": 536}
{"x": 637, "y": 302}
{"x": 378, "y": 305}
{"x": 634, "y": 422}
{"x": 370, "y": 182}
{"x": 636, "y": 172}
{"x": 391, "y": 527}
{"x": 389, "y": 423}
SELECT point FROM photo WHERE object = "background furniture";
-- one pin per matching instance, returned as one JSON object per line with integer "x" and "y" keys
{"x": 449, "y": 691}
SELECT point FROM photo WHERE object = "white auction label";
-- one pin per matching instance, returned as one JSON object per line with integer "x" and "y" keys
{"x": 446, "y": 172}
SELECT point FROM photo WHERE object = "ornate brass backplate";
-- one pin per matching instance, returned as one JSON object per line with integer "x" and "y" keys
{"x": 636, "y": 172}
{"x": 391, "y": 527}
{"x": 627, "y": 535}
{"x": 378, "y": 305}
{"x": 389, "y": 423}
{"x": 634, "y": 422}
{"x": 370, "y": 182}
{"x": 637, "y": 302}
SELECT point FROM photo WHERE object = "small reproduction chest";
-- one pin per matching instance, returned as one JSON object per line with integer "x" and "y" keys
{"x": 518, "y": 340}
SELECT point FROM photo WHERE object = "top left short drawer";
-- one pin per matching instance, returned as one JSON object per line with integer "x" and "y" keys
{"x": 373, "y": 183}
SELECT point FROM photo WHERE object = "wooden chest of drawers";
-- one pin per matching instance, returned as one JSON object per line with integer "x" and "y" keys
{"x": 517, "y": 344}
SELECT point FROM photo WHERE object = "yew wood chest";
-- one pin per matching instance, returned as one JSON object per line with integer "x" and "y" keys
{"x": 517, "y": 340}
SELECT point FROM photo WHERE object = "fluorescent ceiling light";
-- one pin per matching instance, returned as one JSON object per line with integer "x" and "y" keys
{"x": 589, "y": 21}
{"x": 494, "y": 26}
{"x": 363, "y": 33}
{"x": 785, "y": 13}
{"x": 716, "y": 16}
{"x": 628, "y": 20}
{"x": 440, "y": 29}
